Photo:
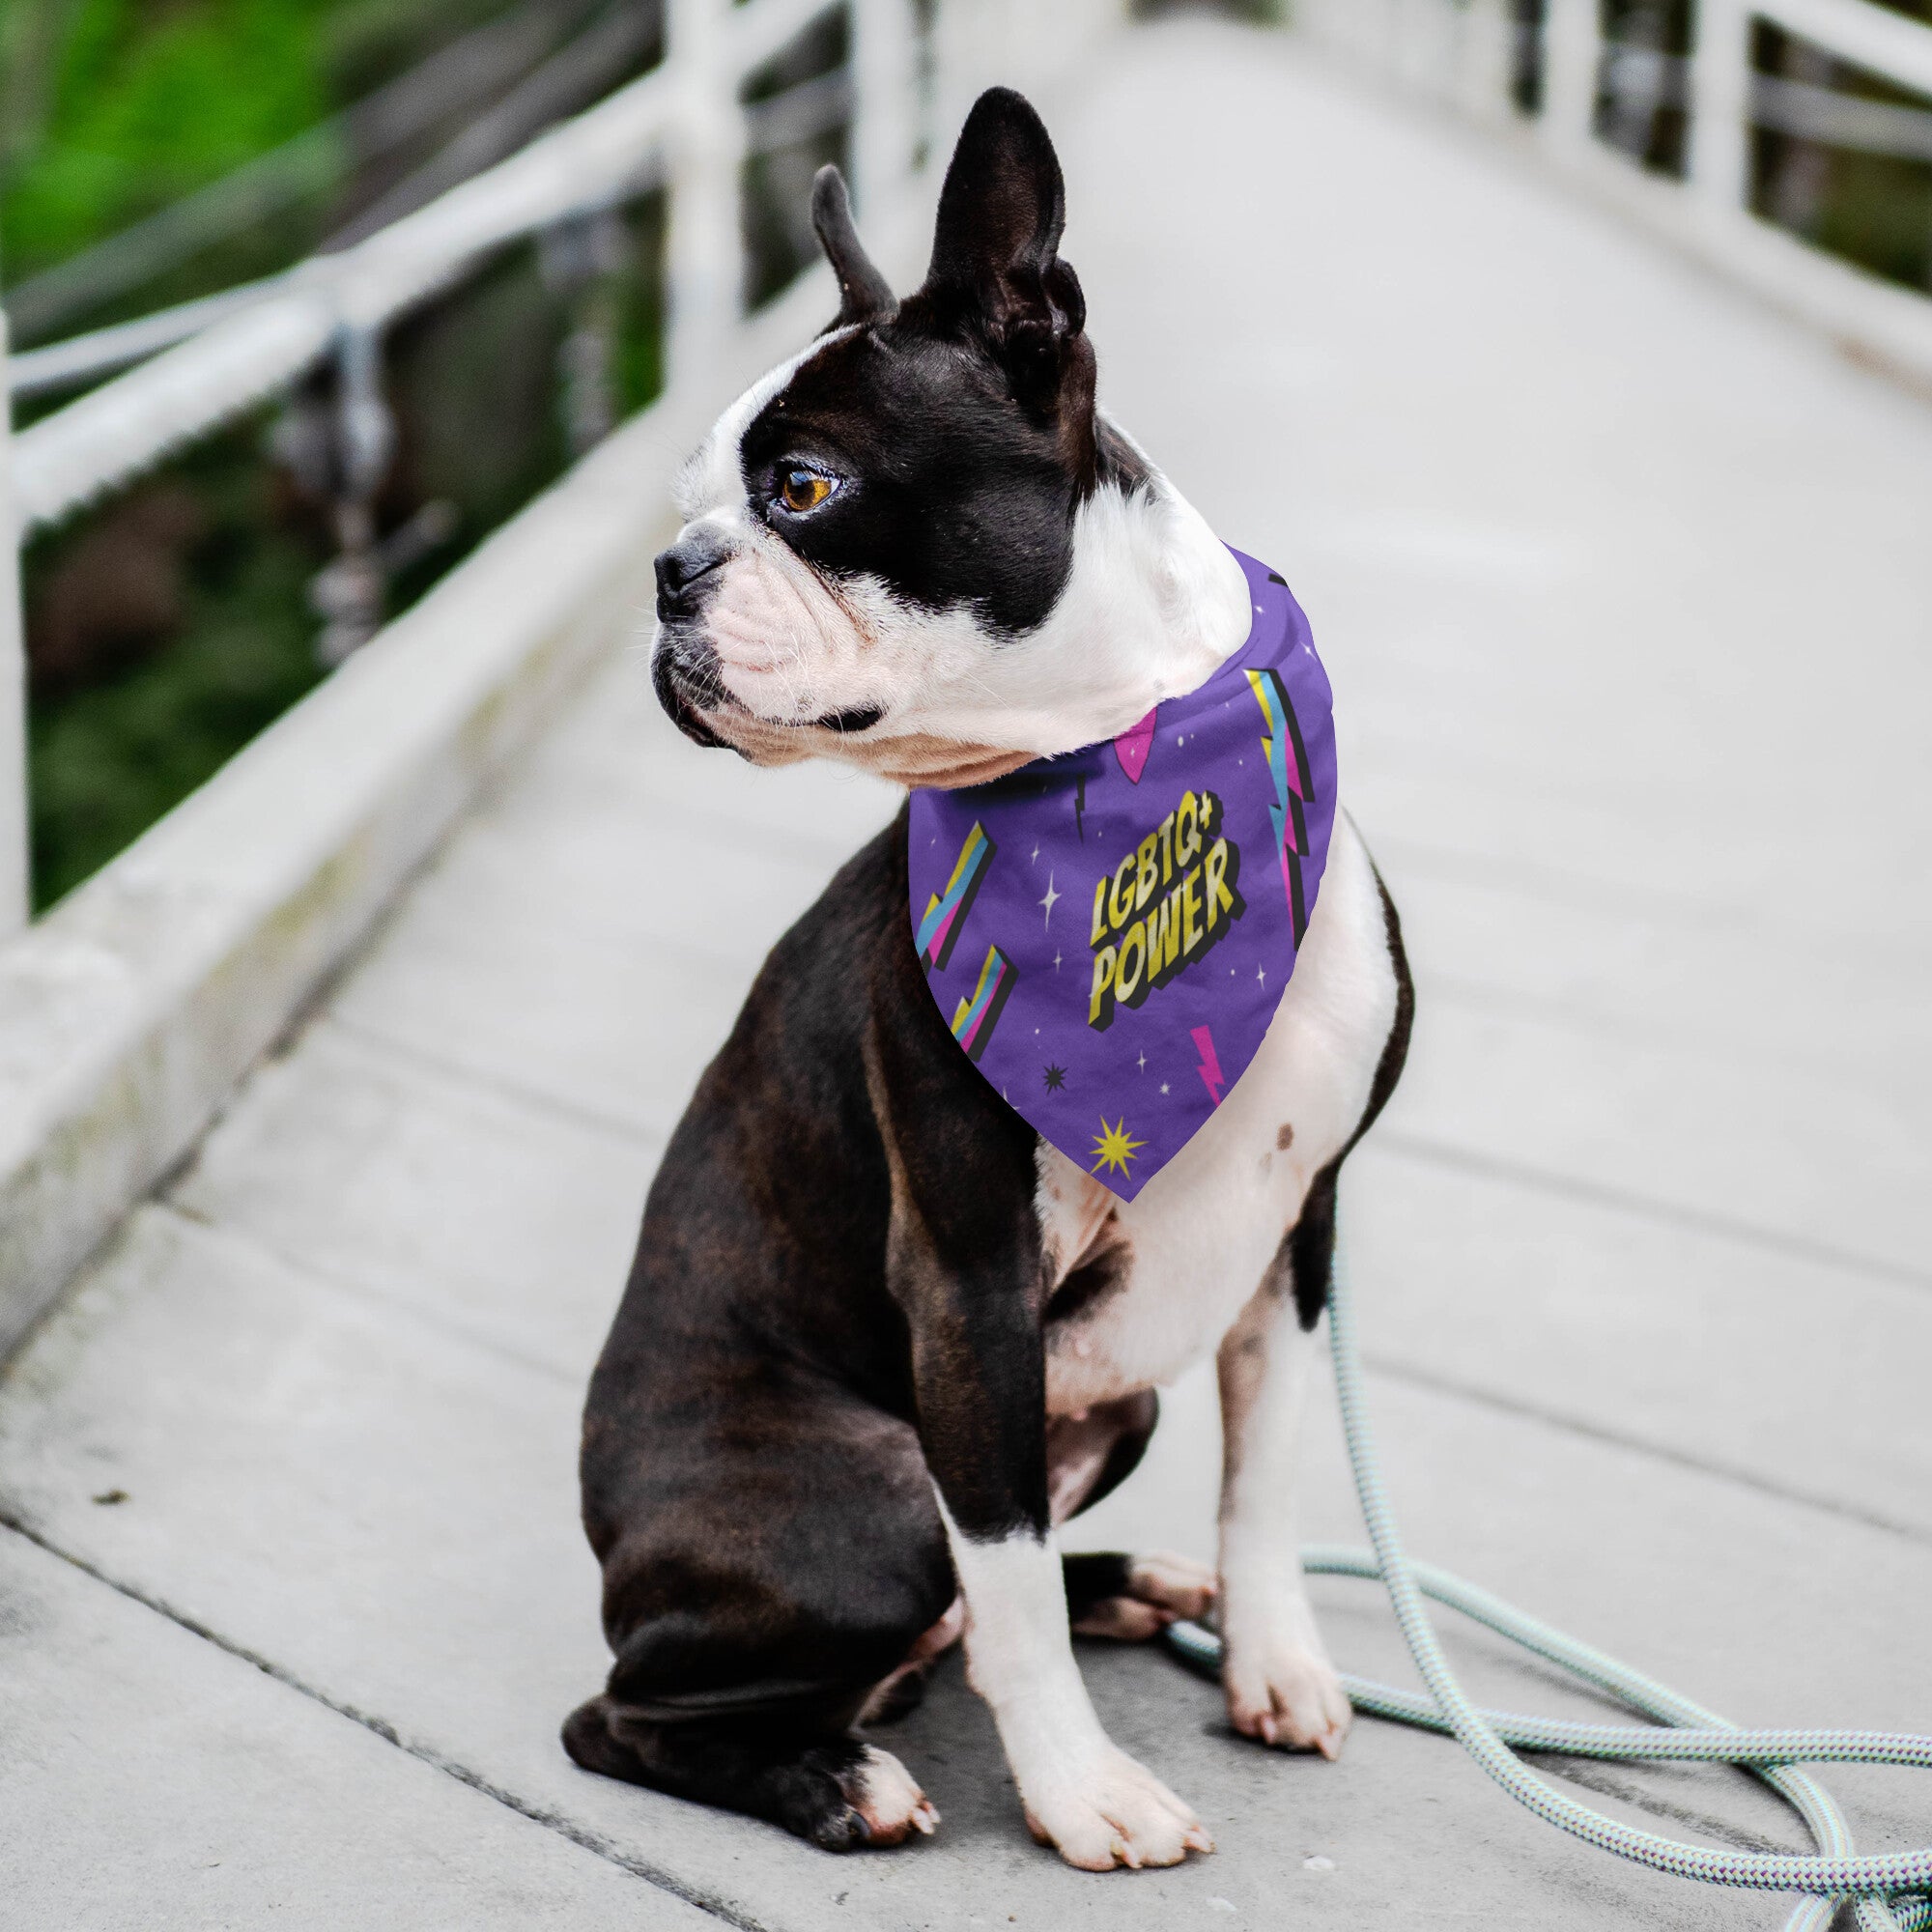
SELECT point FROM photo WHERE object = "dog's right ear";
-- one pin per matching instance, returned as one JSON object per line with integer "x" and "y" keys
{"x": 863, "y": 294}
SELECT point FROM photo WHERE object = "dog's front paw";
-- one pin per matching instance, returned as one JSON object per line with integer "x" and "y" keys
{"x": 878, "y": 1803}
{"x": 1112, "y": 1811}
{"x": 1285, "y": 1693}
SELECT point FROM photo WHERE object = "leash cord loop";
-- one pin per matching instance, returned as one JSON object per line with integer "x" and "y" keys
{"x": 1879, "y": 1887}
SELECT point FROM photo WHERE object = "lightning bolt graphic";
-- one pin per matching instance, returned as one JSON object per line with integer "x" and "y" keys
{"x": 1209, "y": 1070}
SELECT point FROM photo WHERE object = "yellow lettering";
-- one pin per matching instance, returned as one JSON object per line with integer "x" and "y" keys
{"x": 1166, "y": 850}
{"x": 1132, "y": 947}
{"x": 1163, "y": 934}
{"x": 1190, "y": 913}
{"x": 1103, "y": 978}
{"x": 1147, "y": 870}
{"x": 1187, "y": 831}
{"x": 1220, "y": 899}
{"x": 1120, "y": 900}
{"x": 1099, "y": 910}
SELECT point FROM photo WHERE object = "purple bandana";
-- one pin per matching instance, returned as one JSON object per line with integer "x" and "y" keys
{"x": 1107, "y": 934}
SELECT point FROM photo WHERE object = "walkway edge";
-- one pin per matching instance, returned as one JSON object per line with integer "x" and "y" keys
{"x": 130, "y": 1012}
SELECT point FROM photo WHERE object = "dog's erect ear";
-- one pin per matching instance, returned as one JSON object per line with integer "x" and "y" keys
{"x": 863, "y": 292}
{"x": 994, "y": 256}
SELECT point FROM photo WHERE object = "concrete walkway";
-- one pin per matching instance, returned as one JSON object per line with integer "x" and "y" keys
{"x": 1627, "y": 595}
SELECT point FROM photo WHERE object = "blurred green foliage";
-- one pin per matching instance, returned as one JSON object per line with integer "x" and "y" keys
{"x": 108, "y": 756}
{"x": 171, "y": 624}
{"x": 110, "y": 109}
{"x": 133, "y": 105}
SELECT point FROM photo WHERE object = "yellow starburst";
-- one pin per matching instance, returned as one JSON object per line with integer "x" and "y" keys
{"x": 1113, "y": 1147}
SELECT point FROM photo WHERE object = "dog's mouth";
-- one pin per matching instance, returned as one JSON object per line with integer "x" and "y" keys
{"x": 686, "y": 682}
{"x": 688, "y": 679}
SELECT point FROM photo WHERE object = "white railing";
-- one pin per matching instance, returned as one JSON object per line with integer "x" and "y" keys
{"x": 1470, "y": 55}
{"x": 681, "y": 122}
{"x": 128, "y": 1012}
{"x": 681, "y": 126}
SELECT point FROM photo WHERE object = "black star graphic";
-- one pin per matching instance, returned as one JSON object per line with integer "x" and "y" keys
{"x": 1056, "y": 1079}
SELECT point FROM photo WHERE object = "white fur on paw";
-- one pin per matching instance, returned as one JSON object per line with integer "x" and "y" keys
{"x": 886, "y": 1795}
{"x": 1112, "y": 1811}
{"x": 1284, "y": 1694}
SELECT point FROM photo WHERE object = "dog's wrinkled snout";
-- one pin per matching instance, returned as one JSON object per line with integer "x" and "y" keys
{"x": 687, "y": 573}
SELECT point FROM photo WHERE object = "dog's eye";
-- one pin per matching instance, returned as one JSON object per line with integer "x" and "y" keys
{"x": 802, "y": 490}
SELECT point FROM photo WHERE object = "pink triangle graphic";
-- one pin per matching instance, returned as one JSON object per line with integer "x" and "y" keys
{"x": 1133, "y": 745}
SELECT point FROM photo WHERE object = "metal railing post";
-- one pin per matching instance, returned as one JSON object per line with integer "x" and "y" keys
{"x": 1573, "y": 49}
{"x": 14, "y": 900}
{"x": 1720, "y": 108}
{"x": 703, "y": 253}
{"x": 349, "y": 593}
{"x": 1483, "y": 60}
{"x": 883, "y": 129}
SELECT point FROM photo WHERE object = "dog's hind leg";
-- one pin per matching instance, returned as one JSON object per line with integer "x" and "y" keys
{"x": 1130, "y": 1599}
{"x": 1111, "y": 1594}
{"x": 824, "y": 1785}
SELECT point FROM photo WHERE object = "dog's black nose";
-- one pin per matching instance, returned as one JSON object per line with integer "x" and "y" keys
{"x": 684, "y": 572}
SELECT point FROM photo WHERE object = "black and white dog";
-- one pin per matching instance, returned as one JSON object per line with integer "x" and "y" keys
{"x": 880, "y": 1338}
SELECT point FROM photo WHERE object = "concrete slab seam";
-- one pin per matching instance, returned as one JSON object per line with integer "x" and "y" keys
{"x": 553, "y": 1106}
{"x": 361, "y": 1292}
{"x": 1549, "y": 1418}
{"x": 1647, "y": 1207}
{"x": 590, "y": 1841}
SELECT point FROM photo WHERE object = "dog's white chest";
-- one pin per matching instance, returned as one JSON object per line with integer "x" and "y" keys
{"x": 1143, "y": 1289}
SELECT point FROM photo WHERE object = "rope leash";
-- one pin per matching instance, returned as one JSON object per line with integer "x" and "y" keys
{"x": 1880, "y": 1887}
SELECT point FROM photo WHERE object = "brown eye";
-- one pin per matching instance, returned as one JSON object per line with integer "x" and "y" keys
{"x": 804, "y": 490}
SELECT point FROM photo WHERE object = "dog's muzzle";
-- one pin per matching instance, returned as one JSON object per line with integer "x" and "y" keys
{"x": 684, "y": 666}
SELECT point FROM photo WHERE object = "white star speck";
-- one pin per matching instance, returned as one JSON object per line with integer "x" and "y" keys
{"x": 1262, "y": 974}
{"x": 1052, "y": 897}
{"x": 1056, "y": 959}
{"x": 1143, "y": 1062}
{"x": 1163, "y": 1086}
{"x": 1036, "y": 855}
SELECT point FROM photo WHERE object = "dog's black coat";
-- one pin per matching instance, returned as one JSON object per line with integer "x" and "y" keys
{"x": 841, "y": 1295}
{"x": 839, "y": 1287}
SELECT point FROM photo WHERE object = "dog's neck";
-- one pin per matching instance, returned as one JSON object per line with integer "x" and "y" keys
{"x": 1155, "y": 603}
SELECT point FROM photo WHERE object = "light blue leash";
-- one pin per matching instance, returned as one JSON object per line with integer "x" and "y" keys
{"x": 1879, "y": 1886}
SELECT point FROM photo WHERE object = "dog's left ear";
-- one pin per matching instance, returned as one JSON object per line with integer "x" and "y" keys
{"x": 995, "y": 263}
{"x": 863, "y": 292}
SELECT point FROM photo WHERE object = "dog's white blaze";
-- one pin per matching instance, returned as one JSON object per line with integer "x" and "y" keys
{"x": 1206, "y": 1229}
{"x": 712, "y": 479}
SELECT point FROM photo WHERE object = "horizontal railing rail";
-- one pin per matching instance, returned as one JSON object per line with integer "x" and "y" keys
{"x": 127, "y": 1013}
{"x": 206, "y": 362}
{"x": 686, "y": 129}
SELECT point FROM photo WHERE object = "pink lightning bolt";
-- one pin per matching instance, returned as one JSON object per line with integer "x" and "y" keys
{"x": 1209, "y": 1069}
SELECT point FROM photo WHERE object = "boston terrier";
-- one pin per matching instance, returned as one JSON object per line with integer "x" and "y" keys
{"x": 884, "y": 1332}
